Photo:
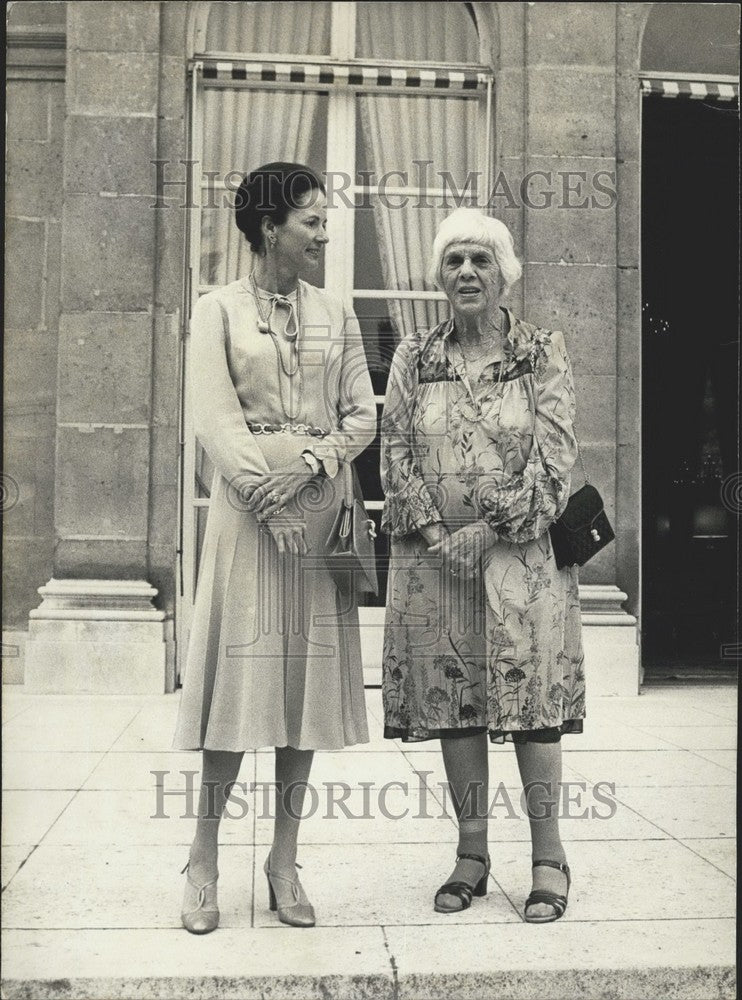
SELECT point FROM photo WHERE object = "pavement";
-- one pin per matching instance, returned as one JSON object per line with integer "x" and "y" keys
{"x": 92, "y": 851}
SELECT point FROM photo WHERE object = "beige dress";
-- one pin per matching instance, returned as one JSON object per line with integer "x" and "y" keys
{"x": 274, "y": 653}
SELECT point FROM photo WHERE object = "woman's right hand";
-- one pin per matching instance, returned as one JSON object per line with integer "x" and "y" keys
{"x": 434, "y": 533}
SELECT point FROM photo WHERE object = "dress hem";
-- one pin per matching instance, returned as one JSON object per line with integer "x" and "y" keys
{"x": 270, "y": 746}
{"x": 547, "y": 734}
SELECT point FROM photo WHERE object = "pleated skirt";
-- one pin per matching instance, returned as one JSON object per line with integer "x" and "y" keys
{"x": 274, "y": 654}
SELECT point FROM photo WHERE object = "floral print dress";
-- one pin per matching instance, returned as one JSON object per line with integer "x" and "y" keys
{"x": 501, "y": 651}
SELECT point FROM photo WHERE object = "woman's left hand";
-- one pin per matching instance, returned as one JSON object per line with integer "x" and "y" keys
{"x": 462, "y": 550}
{"x": 279, "y": 487}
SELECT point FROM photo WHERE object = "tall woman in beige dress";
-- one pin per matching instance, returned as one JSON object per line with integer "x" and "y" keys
{"x": 281, "y": 398}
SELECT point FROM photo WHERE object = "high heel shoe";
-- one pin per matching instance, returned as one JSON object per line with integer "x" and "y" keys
{"x": 463, "y": 890}
{"x": 200, "y": 913}
{"x": 300, "y": 913}
{"x": 553, "y": 899}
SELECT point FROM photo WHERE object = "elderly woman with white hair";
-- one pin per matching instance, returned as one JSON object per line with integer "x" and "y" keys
{"x": 483, "y": 634}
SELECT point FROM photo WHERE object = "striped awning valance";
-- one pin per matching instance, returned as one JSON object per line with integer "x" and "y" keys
{"x": 698, "y": 89}
{"x": 358, "y": 76}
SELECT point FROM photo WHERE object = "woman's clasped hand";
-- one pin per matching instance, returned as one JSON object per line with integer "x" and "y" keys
{"x": 462, "y": 550}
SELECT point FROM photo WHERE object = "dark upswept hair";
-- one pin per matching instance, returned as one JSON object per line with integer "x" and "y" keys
{"x": 272, "y": 191}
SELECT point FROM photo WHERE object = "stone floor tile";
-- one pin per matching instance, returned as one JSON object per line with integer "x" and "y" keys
{"x": 13, "y": 856}
{"x": 131, "y": 817}
{"x": 135, "y": 886}
{"x": 132, "y": 770}
{"x": 374, "y": 703}
{"x": 388, "y": 884}
{"x": 650, "y": 959}
{"x": 627, "y": 880}
{"x": 651, "y": 712}
{"x": 723, "y": 758}
{"x": 281, "y": 962}
{"x": 585, "y": 814}
{"x": 82, "y": 724}
{"x": 28, "y": 816}
{"x": 39, "y": 770}
{"x": 648, "y": 767}
{"x": 720, "y": 851}
{"x": 13, "y": 702}
{"x": 394, "y": 816}
{"x": 351, "y": 769}
{"x": 700, "y": 737}
{"x": 685, "y": 812}
{"x": 720, "y": 700}
{"x": 153, "y": 728}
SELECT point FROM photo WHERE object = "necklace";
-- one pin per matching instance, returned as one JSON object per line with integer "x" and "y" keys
{"x": 483, "y": 348}
{"x": 264, "y": 326}
{"x": 470, "y": 406}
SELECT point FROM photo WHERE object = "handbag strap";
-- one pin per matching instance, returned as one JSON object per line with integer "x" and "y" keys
{"x": 348, "y": 484}
{"x": 579, "y": 455}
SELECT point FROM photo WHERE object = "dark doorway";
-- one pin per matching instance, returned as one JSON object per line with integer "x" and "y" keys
{"x": 690, "y": 269}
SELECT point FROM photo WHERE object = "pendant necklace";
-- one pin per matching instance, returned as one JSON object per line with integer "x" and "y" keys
{"x": 264, "y": 327}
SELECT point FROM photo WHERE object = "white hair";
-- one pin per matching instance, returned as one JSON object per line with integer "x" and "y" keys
{"x": 469, "y": 225}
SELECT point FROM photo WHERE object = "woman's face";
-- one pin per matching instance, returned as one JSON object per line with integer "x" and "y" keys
{"x": 471, "y": 278}
{"x": 301, "y": 238}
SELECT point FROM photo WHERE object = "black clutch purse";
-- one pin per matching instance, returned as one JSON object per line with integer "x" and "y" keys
{"x": 583, "y": 529}
{"x": 350, "y": 552}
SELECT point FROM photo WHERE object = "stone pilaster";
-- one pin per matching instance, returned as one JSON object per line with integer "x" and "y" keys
{"x": 568, "y": 119}
{"x": 105, "y": 373}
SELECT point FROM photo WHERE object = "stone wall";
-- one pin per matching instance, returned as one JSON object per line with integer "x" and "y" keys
{"x": 567, "y": 113}
{"x": 34, "y": 145}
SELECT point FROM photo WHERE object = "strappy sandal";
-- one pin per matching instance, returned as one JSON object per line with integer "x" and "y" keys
{"x": 559, "y": 903}
{"x": 200, "y": 912}
{"x": 301, "y": 911}
{"x": 463, "y": 890}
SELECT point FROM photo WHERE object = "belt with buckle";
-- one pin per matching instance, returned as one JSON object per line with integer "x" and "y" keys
{"x": 287, "y": 429}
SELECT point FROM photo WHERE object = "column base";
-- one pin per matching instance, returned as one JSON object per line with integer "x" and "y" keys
{"x": 98, "y": 637}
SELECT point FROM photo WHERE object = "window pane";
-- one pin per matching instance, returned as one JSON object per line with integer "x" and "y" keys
{"x": 393, "y": 242}
{"x": 277, "y": 28}
{"x": 433, "y": 141}
{"x": 380, "y": 338}
{"x": 382, "y": 564}
{"x": 383, "y": 324}
{"x": 204, "y": 473}
{"x": 428, "y": 32}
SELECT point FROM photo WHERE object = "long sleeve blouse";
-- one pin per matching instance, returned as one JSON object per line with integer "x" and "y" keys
{"x": 500, "y": 450}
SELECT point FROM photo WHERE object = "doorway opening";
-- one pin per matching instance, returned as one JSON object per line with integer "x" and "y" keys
{"x": 690, "y": 369}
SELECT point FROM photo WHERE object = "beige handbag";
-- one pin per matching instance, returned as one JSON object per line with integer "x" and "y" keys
{"x": 350, "y": 550}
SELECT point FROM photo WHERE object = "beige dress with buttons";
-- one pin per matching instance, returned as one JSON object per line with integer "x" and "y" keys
{"x": 274, "y": 653}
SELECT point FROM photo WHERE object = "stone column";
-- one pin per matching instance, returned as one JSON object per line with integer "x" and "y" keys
{"x": 97, "y": 628}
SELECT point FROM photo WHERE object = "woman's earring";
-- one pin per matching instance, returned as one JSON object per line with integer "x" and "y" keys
{"x": 272, "y": 241}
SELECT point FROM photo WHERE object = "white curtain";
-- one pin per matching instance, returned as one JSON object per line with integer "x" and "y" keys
{"x": 416, "y": 32}
{"x": 243, "y": 129}
{"x": 397, "y": 130}
{"x": 288, "y": 28}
